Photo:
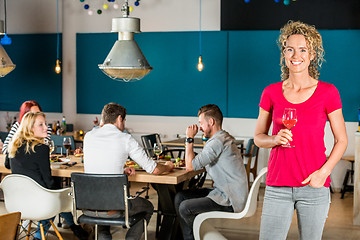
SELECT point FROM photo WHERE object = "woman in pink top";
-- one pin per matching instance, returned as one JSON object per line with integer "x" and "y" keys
{"x": 298, "y": 177}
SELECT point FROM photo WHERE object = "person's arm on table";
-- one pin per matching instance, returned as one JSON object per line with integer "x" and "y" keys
{"x": 138, "y": 154}
{"x": 130, "y": 171}
{"x": 337, "y": 124}
{"x": 161, "y": 168}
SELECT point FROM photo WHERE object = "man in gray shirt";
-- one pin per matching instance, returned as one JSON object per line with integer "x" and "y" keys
{"x": 222, "y": 160}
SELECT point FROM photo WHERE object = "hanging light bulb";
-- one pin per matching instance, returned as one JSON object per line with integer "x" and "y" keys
{"x": 6, "y": 65}
{"x": 58, "y": 67}
{"x": 200, "y": 65}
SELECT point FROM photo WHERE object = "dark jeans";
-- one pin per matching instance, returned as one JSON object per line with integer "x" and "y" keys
{"x": 135, "y": 232}
{"x": 190, "y": 203}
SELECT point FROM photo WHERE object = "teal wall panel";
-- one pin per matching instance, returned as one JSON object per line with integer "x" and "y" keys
{"x": 34, "y": 77}
{"x": 342, "y": 51}
{"x": 238, "y": 66}
{"x": 173, "y": 88}
{"x": 253, "y": 64}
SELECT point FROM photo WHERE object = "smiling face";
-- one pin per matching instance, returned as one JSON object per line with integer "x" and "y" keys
{"x": 205, "y": 125}
{"x": 297, "y": 54}
{"x": 40, "y": 128}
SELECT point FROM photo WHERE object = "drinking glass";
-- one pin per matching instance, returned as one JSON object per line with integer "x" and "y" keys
{"x": 157, "y": 150}
{"x": 67, "y": 145}
{"x": 289, "y": 120}
{"x": 52, "y": 147}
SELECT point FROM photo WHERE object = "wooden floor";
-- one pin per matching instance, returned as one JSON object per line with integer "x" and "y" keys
{"x": 338, "y": 226}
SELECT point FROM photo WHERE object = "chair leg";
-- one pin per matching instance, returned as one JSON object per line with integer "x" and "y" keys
{"x": 145, "y": 229}
{"x": 346, "y": 179}
{"x": 56, "y": 230}
{"x": 158, "y": 220}
{"x": 28, "y": 231}
{"x": 42, "y": 232}
{"x": 96, "y": 232}
{"x": 59, "y": 223}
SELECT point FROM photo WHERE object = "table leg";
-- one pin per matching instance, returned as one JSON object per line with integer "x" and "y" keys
{"x": 169, "y": 226}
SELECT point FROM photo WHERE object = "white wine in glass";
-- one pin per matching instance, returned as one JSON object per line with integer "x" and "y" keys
{"x": 157, "y": 150}
{"x": 52, "y": 147}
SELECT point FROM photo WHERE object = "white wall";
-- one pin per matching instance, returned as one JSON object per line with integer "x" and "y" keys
{"x": 39, "y": 16}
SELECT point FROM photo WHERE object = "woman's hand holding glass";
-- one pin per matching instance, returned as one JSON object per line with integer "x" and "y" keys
{"x": 283, "y": 137}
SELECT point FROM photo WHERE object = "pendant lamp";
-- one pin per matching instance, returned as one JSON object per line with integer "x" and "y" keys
{"x": 6, "y": 65}
{"x": 125, "y": 62}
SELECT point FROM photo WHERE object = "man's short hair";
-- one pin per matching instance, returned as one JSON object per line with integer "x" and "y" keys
{"x": 212, "y": 111}
{"x": 111, "y": 112}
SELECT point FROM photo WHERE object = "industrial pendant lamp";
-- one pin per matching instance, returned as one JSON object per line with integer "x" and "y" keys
{"x": 6, "y": 65}
{"x": 125, "y": 61}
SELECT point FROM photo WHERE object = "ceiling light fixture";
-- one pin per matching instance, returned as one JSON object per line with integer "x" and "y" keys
{"x": 6, "y": 65}
{"x": 125, "y": 62}
{"x": 200, "y": 65}
{"x": 57, "y": 66}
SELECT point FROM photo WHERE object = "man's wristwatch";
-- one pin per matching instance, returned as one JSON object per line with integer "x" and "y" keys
{"x": 189, "y": 140}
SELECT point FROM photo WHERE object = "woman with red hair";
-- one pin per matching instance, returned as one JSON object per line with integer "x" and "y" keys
{"x": 28, "y": 106}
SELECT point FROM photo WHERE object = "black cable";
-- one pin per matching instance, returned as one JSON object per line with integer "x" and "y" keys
{"x": 5, "y": 16}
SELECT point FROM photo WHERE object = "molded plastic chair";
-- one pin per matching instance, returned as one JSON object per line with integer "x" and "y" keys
{"x": 9, "y": 225}
{"x": 207, "y": 231}
{"x": 23, "y": 194}
{"x": 104, "y": 192}
{"x": 252, "y": 154}
{"x": 58, "y": 142}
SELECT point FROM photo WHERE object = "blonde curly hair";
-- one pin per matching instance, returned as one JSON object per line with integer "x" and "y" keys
{"x": 314, "y": 41}
{"x": 25, "y": 134}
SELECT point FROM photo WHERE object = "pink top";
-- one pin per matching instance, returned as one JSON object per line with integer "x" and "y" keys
{"x": 290, "y": 166}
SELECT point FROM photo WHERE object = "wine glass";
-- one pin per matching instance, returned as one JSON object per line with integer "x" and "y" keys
{"x": 157, "y": 150}
{"x": 67, "y": 145}
{"x": 289, "y": 120}
{"x": 52, "y": 147}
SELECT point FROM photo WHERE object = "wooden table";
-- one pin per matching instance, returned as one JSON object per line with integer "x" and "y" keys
{"x": 175, "y": 177}
{"x": 166, "y": 185}
{"x": 198, "y": 143}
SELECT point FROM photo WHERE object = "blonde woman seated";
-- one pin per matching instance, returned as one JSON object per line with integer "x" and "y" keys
{"x": 30, "y": 157}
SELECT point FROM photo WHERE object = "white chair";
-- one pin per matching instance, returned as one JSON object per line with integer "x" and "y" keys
{"x": 204, "y": 230}
{"x": 23, "y": 194}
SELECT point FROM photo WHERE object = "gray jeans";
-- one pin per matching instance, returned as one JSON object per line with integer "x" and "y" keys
{"x": 311, "y": 205}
